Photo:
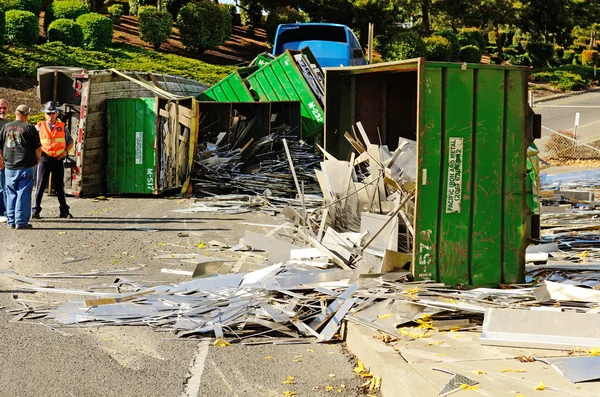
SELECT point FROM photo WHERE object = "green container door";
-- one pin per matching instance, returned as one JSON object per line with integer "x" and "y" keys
{"x": 281, "y": 80}
{"x": 131, "y": 164}
{"x": 230, "y": 89}
{"x": 472, "y": 126}
{"x": 471, "y": 211}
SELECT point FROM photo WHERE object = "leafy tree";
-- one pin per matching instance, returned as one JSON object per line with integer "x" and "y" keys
{"x": 548, "y": 20}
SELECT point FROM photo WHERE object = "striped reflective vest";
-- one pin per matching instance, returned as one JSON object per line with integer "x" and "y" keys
{"x": 53, "y": 141}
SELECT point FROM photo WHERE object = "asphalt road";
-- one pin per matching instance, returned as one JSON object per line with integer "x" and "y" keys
{"x": 138, "y": 361}
{"x": 559, "y": 115}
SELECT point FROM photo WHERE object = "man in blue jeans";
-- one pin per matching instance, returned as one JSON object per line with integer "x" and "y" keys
{"x": 3, "y": 121}
{"x": 20, "y": 151}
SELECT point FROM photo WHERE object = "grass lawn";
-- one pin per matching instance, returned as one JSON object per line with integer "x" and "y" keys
{"x": 24, "y": 62}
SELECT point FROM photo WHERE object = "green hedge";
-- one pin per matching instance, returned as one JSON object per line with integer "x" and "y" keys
{"x": 66, "y": 31}
{"x": 65, "y": 9}
{"x": 470, "y": 54}
{"x": 200, "y": 26}
{"x": 228, "y": 10}
{"x": 116, "y": 12}
{"x": 97, "y": 31}
{"x": 405, "y": 46}
{"x": 24, "y": 62}
{"x": 471, "y": 36}
{"x": 438, "y": 48}
{"x": 540, "y": 53}
{"x": 155, "y": 26}
{"x": 282, "y": 15}
{"x": 2, "y": 23}
{"x": 21, "y": 28}
{"x": 455, "y": 46}
{"x": 33, "y": 6}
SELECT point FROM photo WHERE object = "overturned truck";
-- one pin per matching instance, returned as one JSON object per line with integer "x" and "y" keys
{"x": 132, "y": 130}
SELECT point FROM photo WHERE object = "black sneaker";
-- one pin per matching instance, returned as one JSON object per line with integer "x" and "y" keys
{"x": 28, "y": 226}
{"x": 67, "y": 215}
{"x": 36, "y": 216}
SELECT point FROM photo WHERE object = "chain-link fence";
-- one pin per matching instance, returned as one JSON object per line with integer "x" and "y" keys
{"x": 570, "y": 129}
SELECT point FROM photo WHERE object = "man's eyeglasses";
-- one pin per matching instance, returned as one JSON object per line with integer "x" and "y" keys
{"x": 3, "y": 107}
{"x": 51, "y": 113}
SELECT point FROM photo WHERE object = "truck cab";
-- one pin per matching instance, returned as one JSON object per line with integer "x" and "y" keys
{"x": 333, "y": 45}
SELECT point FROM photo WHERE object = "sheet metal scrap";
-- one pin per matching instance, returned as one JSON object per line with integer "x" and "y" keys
{"x": 455, "y": 383}
{"x": 247, "y": 165}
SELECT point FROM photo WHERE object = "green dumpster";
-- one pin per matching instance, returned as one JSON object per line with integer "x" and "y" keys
{"x": 472, "y": 126}
{"x": 131, "y": 154}
{"x": 231, "y": 89}
{"x": 282, "y": 80}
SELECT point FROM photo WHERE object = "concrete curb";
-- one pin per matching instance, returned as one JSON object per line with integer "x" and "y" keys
{"x": 564, "y": 95}
{"x": 398, "y": 377}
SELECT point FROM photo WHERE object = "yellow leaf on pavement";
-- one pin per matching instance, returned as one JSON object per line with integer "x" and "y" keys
{"x": 269, "y": 358}
{"x": 384, "y": 316}
{"x": 594, "y": 352}
{"x": 289, "y": 393}
{"x": 478, "y": 372}
{"x": 540, "y": 387}
{"x": 222, "y": 343}
{"x": 329, "y": 388}
{"x": 467, "y": 387}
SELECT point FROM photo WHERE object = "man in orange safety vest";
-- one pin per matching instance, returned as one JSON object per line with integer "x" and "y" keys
{"x": 56, "y": 142}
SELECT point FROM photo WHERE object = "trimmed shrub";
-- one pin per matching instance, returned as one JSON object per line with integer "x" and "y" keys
{"x": 97, "y": 31}
{"x": 228, "y": 11}
{"x": 470, "y": 54}
{"x": 519, "y": 60}
{"x": 559, "y": 52}
{"x": 155, "y": 26}
{"x": 471, "y": 36}
{"x": 65, "y": 31}
{"x": 495, "y": 60}
{"x": 250, "y": 14}
{"x": 438, "y": 48}
{"x": 65, "y": 9}
{"x": 2, "y": 23}
{"x": 33, "y": 6}
{"x": 116, "y": 12}
{"x": 281, "y": 15}
{"x": 406, "y": 45}
{"x": 21, "y": 28}
{"x": 133, "y": 6}
{"x": 200, "y": 26}
{"x": 449, "y": 35}
{"x": 540, "y": 53}
{"x": 568, "y": 56}
{"x": 589, "y": 57}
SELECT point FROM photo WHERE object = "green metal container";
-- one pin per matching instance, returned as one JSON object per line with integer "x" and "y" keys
{"x": 230, "y": 89}
{"x": 131, "y": 153}
{"x": 261, "y": 60}
{"x": 282, "y": 80}
{"x": 473, "y": 126}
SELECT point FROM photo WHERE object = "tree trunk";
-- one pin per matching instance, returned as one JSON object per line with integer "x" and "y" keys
{"x": 425, "y": 14}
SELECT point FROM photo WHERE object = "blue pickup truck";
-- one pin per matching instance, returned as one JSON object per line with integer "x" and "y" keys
{"x": 332, "y": 44}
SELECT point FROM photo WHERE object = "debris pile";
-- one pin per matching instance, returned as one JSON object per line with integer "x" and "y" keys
{"x": 236, "y": 162}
